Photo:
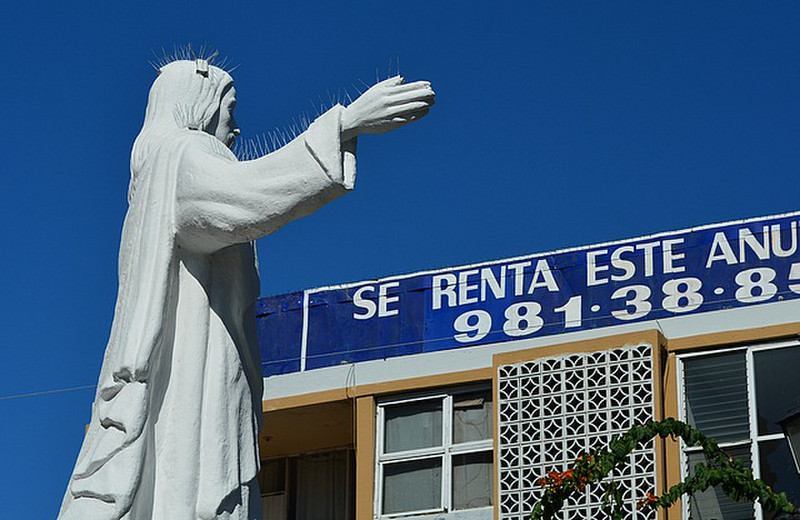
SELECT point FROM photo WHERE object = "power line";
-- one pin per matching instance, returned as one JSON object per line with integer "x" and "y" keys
{"x": 46, "y": 392}
{"x": 373, "y": 348}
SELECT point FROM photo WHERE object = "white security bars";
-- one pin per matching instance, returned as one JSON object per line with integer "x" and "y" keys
{"x": 553, "y": 409}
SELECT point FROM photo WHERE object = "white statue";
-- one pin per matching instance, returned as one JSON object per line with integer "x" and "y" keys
{"x": 175, "y": 421}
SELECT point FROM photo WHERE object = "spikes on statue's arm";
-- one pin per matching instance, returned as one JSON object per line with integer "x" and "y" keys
{"x": 220, "y": 202}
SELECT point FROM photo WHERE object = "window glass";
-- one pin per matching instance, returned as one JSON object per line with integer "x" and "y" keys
{"x": 272, "y": 482}
{"x": 322, "y": 486}
{"x": 716, "y": 396}
{"x": 413, "y": 425}
{"x": 308, "y": 487}
{"x": 437, "y": 453}
{"x": 777, "y": 386}
{"x": 273, "y": 507}
{"x": 472, "y": 480}
{"x": 777, "y": 469}
{"x": 713, "y": 503}
{"x": 412, "y": 486}
{"x": 272, "y": 478}
{"x": 472, "y": 416}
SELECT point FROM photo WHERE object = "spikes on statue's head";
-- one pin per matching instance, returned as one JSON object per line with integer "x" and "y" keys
{"x": 202, "y": 62}
{"x": 185, "y": 65}
{"x": 204, "y": 58}
{"x": 186, "y": 94}
{"x": 201, "y": 67}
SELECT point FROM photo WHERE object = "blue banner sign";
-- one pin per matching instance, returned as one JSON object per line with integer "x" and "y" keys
{"x": 671, "y": 274}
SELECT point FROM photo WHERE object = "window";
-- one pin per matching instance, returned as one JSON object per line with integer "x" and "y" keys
{"x": 318, "y": 486}
{"x": 435, "y": 453}
{"x": 272, "y": 481}
{"x": 737, "y": 397}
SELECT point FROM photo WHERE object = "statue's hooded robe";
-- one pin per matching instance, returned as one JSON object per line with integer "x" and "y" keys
{"x": 175, "y": 421}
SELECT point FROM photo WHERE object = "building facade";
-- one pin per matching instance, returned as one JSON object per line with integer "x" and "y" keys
{"x": 448, "y": 393}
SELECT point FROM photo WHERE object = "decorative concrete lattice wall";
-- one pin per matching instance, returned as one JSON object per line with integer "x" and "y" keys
{"x": 553, "y": 409}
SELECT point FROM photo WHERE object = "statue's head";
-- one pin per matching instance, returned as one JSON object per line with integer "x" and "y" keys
{"x": 193, "y": 94}
{"x": 187, "y": 94}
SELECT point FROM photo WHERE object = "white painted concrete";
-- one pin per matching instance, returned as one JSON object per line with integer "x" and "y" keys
{"x": 175, "y": 421}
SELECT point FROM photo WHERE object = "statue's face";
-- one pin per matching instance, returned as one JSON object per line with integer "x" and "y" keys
{"x": 226, "y": 129}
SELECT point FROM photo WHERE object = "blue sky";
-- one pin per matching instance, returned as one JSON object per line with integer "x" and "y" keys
{"x": 557, "y": 124}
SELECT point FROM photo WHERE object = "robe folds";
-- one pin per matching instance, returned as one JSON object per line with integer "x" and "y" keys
{"x": 174, "y": 427}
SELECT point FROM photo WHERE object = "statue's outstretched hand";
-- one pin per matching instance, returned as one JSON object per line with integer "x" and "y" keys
{"x": 385, "y": 106}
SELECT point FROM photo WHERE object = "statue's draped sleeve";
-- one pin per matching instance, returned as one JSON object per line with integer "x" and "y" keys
{"x": 221, "y": 202}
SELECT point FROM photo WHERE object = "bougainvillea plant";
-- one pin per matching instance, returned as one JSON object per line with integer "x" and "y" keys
{"x": 731, "y": 475}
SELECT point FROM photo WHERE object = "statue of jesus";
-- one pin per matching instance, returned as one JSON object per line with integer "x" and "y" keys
{"x": 176, "y": 417}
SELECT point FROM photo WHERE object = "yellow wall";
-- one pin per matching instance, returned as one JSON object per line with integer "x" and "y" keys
{"x": 307, "y": 429}
{"x": 365, "y": 457}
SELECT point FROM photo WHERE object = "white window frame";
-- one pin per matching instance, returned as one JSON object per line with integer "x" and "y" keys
{"x": 445, "y": 451}
{"x": 754, "y": 439}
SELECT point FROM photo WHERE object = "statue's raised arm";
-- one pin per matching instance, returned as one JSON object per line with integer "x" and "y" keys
{"x": 175, "y": 421}
{"x": 222, "y": 201}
